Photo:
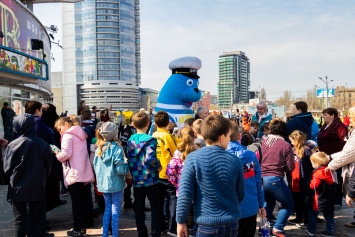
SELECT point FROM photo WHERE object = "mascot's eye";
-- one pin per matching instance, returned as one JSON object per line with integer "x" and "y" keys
{"x": 189, "y": 82}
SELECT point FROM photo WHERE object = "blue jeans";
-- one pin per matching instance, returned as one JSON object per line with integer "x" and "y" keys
{"x": 217, "y": 230}
{"x": 111, "y": 216}
{"x": 275, "y": 189}
{"x": 312, "y": 221}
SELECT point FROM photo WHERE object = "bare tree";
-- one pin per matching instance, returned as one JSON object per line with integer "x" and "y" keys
{"x": 286, "y": 99}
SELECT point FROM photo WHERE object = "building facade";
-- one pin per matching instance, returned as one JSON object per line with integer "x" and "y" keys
{"x": 234, "y": 79}
{"x": 105, "y": 36}
{"x": 344, "y": 98}
{"x": 148, "y": 98}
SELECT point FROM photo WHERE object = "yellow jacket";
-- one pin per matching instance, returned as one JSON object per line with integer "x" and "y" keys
{"x": 165, "y": 149}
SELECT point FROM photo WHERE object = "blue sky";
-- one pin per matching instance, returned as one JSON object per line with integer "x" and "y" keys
{"x": 289, "y": 43}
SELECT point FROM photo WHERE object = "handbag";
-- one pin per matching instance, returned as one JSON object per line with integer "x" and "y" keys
{"x": 68, "y": 173}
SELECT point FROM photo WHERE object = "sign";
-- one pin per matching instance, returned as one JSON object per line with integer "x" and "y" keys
{"x": 20, "y": 63}
{"x": 323, "y": 92}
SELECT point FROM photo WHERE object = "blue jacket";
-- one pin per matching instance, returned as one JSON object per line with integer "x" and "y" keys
{"x": 254, "y": 193}
{"x": 314, "y": 131}
{"x": 214, "y": 180}
{"x": 110, "y": 168}
{"x": 302, "y": 122}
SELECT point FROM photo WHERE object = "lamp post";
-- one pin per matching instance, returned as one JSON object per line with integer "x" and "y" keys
{"x": 322, "y": 104}
{"x": 326, "y": 86}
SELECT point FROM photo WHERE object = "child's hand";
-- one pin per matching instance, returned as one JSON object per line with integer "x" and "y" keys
{"x": 262, "y": 212}
{"x": 348, "y": 201}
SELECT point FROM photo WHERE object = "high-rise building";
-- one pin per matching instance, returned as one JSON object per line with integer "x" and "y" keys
{"x": 234, "y": 79}
{"x": 101, "y": 62}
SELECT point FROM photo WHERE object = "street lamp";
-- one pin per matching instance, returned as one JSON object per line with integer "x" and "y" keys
{"x": 326, "y": 86}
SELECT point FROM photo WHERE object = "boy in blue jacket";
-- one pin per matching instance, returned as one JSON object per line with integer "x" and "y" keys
{"x": 253, "y": 201}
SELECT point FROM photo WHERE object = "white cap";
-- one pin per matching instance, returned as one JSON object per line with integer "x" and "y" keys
{"x": 186, "y": 66}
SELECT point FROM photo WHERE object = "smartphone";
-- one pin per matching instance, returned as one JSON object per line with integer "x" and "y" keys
{"x": 175, "y": 131}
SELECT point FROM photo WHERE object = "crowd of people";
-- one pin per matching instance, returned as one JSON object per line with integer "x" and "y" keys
{"x": 212, "y": 177}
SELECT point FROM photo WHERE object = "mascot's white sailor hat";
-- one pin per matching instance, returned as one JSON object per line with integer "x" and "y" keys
{"x": 186, "y": 66}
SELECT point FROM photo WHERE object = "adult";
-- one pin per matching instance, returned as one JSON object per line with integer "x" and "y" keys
{"x": 8, "y": 115}
{"x": 104, "y": 116}
{"x": 277, "y": 160}
{"x": 93, "y": 114}
{"x": 263, "y": 115}
{"x": 346, "y": 157}
{"x": 27, "y": 164}
{"x": 331, "y": 139}
{"x": 300, "y": 119}
{"x": 81, "y": 106}
{"x": 201, "y": 113}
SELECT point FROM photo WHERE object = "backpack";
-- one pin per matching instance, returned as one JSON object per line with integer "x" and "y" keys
{"x": 126, "y": 133}
{"x": 256, "y": 148}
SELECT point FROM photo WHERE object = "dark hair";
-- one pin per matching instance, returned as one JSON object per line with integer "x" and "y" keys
{"x": 235, "y": 134}
{"x": 94, "y": 107}
{"x": 161, "y": 119}
{"x": 331, "y": 111}
{"x": 6, "y": 104}
{"x": 301, "y": 105}
{"x": 140, "y": 119}
{"x": 171, "y": 127}
{"x": 190, "y": 121}
{"x": 277, "y": 127}
{"x": 85, "y": 114}
{"x": 254, "y": 123}
{"x": 215, "y": 126}
{"x": 31, "y": 106}
{"x": 82, "y": 102}
{"x": 265, "y": 127}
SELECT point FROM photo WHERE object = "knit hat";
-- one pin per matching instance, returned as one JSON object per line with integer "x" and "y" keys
{"x": 109, "y": 131}
{"x": 311, "y": 144}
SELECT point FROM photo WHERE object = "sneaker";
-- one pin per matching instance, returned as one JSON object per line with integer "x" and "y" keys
{"x": 171, "y": 234}
{"x": 294, "y": 221}
{"x": 301, "y": 225}
{"x": 351, "y": 224}
{"x": 279, "y": 233}
{"x": 74, "y": 233}
{"x": 309, "y": 233}
{"x": 326, "y": 234}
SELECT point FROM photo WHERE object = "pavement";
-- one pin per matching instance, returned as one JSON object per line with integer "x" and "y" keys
{"x": 60, "y": 220}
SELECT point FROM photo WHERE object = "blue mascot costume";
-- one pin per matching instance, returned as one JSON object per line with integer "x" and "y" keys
{"x": 180, "y": 90}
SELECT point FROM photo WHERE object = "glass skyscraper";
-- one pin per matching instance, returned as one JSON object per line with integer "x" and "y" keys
{"x": 107, "y": 52}
{"x": 234, "y": 79}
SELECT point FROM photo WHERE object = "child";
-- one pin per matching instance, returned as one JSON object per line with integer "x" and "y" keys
{"x": 144, "y": 167}
{"x": 266, "y": 130}
{"x": 249, "y": 137}
{"x": 324, "y": 195}
{"x": 27, "y": 163}
{"x": 110, "y": 167}
{"x": 301, "y": 177}
{"x": 165, "y": 149}
{"x": 77, "y": 171}
{"x": 199, "y": 141}
{"x": 214, "y": 180}
{"x": 312, "y": 145}
{"x": 253, "y": 201}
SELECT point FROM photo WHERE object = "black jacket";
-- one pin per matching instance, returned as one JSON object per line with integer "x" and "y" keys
{"x": 7, "y": 116}
{"x": 27, "y": 162}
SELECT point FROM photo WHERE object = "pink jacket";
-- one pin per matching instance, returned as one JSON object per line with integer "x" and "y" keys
{"x": 74, "y": 149}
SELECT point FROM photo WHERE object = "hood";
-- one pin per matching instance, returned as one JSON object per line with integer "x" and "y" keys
{"x": 108, "y": 158}
{"x": 320, "y": 173}
{"x": 77, "y": 131}
{"x": 306, "y": 117}
{"x": 235, "y": 148}
{"x": 24, "y": 125}
{"x": 144, "y": 141}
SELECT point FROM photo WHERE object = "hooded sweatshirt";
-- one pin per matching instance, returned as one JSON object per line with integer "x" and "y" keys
{"x": 302, "y": 122}
{"x": 27, "y": 162}
{"x": 323, "y": 187}
{"x": 110, "y": 168}
{"x": 254, "y": 193}
{"x": 261, "y": 119}
{"x": 74, "y": 153}
{"x": 143, "y": 162}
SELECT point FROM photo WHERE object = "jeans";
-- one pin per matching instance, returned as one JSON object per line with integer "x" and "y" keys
{"x": 167, "y": 189}
{"x": 37, "y": 221}
{"x": 152, "y": 192}
{"x": 312, "y": 221}
{"x": 230, "y": 230}
{"x": 275, "y": 189}
{"x": 111, "y": 216}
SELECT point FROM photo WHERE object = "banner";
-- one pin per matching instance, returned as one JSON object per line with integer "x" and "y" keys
{"x": 323, "y": 92}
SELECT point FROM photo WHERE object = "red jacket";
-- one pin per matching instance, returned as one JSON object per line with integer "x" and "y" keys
{"x": 324, "y": 189}
{"x": 346, "y": 121}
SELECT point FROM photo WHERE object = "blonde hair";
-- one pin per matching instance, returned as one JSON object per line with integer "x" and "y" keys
{"x": 61, "y": 121}
{"x": 196, "y": 126}
{"x": 186, "y": 144}
{"x": 101, "y": 142}
{"x": 320, "y": 158}
{"x": 76, "y": 119}
{"x": 300, "y": 138}
{"x": 351, "y": 114}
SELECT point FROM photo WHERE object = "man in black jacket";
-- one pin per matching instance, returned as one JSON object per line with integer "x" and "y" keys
{"x": 27, "y": 164}
{"x": 8, "y": 115}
